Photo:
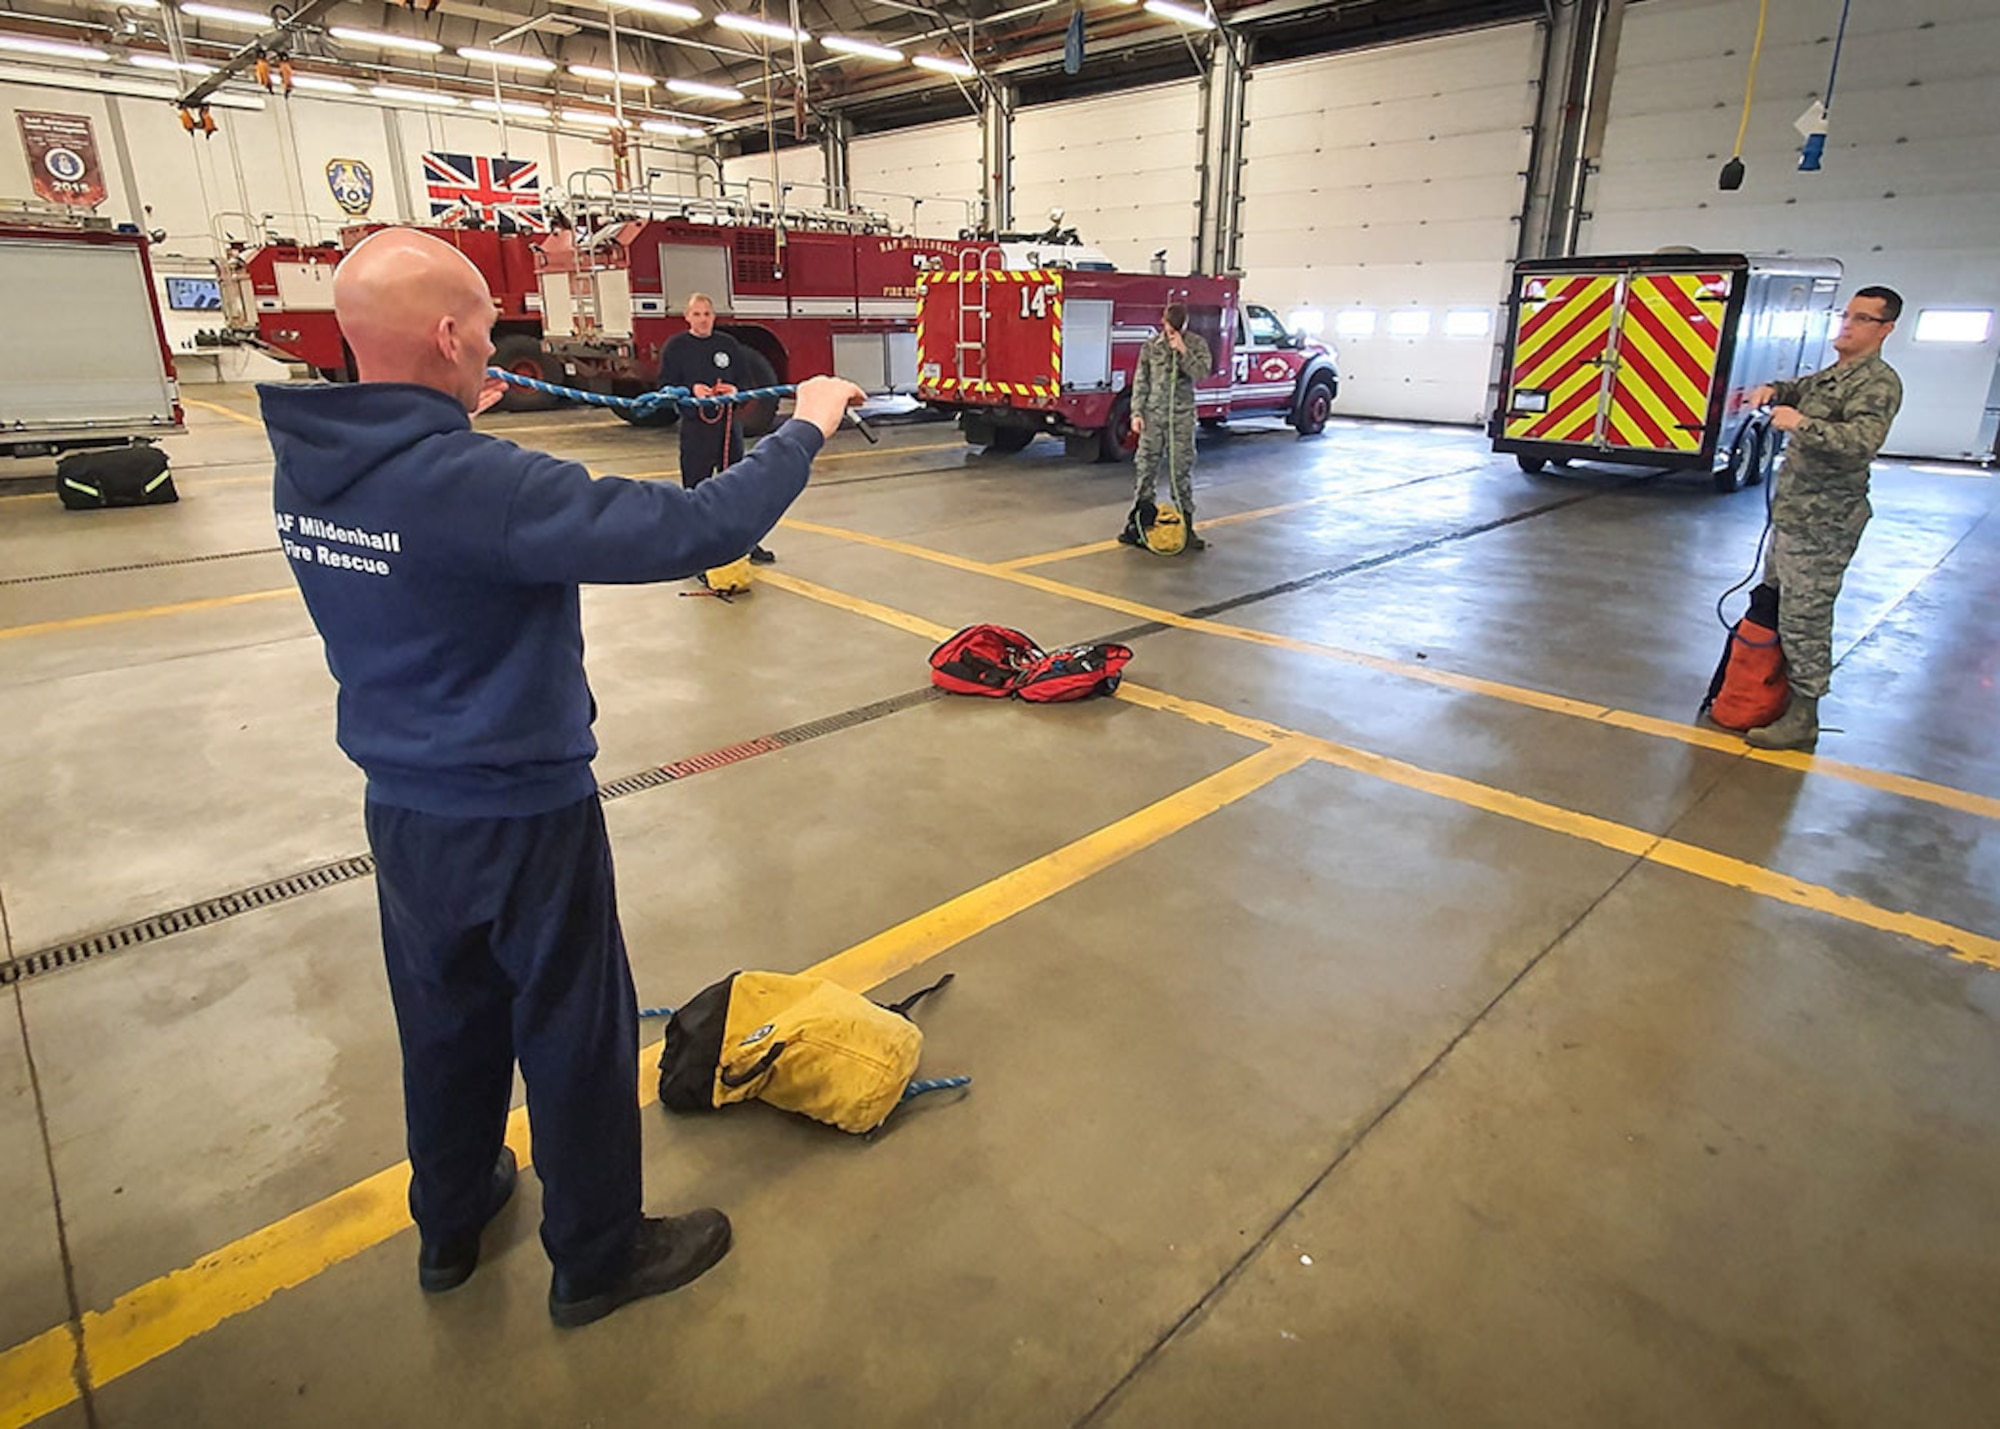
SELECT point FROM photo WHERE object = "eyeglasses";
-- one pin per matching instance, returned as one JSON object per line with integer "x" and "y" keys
{"x": 1865, "y": 318}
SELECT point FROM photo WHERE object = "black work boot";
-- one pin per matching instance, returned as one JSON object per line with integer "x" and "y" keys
{"x": 761, "y": 557}
{"x": 1796, "y": 728}
{"x": 667, "y": 1253}
{"x": 446, "y": 1265}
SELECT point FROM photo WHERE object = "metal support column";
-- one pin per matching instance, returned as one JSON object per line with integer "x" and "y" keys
{"x": 836, "y": 133}
{"x": 996, "y": 157}
{"x": 1579, "y": 58}
{"x": 1223, "y": 120}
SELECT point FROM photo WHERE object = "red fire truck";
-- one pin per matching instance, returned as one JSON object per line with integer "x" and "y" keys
{"x": 86, "y": 362}
{"x": 836, "y": 293}
{"x": 279, "y": 296}
{"x": 1014, "y": 352}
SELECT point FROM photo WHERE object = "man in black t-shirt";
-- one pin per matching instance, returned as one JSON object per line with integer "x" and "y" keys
{"x": 709, "y": 363}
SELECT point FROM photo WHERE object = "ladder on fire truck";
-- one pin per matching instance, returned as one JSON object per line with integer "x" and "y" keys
{"x": 988, "y": 258}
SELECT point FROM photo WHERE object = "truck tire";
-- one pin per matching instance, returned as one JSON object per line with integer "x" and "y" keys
{"x": 1007, "y": 440}
{"x": 1116, "y": 441}
{"x": 522, "y": 355}
{"x": 1746, "y": 461}
{"x": 1532, "y": 465}
{"x": 1314, "y": 407}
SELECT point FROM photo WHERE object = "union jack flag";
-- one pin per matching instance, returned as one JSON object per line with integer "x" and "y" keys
{"x": 506, "y": 193}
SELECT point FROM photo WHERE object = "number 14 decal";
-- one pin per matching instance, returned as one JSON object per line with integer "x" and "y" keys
{"x": 1034, "y": 301}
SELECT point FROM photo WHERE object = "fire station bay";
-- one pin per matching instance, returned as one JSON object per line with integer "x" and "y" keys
{"x": 1146, "y": 714}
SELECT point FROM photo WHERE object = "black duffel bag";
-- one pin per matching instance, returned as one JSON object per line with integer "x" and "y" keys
{"x": 117, "y": 476}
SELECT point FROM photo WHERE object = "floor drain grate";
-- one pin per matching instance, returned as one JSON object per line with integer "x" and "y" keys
{"x": 312, "y": 880}
{"x": 180, "y": 920}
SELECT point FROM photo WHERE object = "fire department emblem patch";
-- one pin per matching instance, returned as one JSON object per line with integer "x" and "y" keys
{"x": 353, "y": 185}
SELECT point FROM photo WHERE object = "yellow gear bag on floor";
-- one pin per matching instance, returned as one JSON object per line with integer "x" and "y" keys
{"x": 732, "y": 579}
{"x": 801, "y": 1043}
{"x": 1166, "y": 533}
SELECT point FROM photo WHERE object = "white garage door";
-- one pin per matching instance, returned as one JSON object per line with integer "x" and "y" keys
{"x": 1908, "y": 196}
{"x": 1125, "y": 170}
{"x": 1382, "y": 195}
{"x": 938, "y": 163}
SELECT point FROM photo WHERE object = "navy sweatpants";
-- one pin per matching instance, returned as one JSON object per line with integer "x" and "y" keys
{"x": 502, "y": 942}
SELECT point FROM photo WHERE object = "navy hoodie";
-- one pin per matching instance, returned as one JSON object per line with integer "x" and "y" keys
{"x": 441, "y": 566}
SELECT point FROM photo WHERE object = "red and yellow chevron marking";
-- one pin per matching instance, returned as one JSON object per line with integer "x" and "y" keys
{"x": 1559, "y": 348}
{"x": 1667, "y": 350}
{"x": 1055, "y": 330}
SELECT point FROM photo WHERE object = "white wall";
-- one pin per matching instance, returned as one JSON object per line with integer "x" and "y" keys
{"x": 934, "y": 161}
{"x": 1124, "y": 168}
{"x": 1391, "y": 179}
{"x": 1909, "y": 194}
{"x": 801, "y": 165}
{"x": 273, "y": 160}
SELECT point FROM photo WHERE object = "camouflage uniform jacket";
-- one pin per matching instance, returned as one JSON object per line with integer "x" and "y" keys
{"x": 1847, "y": 412}
{"x": 1166, "y": 377}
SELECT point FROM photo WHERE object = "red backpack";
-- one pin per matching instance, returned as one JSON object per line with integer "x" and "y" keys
{"x": 1750, "y": 690}
{"x": 997, "y": 662}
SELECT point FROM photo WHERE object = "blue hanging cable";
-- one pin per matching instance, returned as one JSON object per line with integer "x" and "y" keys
{"x": 1815, "y": 145}
{"x": 657, "y": 1011}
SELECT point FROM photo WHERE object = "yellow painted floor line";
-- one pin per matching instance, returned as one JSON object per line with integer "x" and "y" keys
{"x": 37, "y": 1377}
{"x": 1208, "y": 523}
{"x": 221, "y": 411}
{"x": 115, "y": 617}
{"x": 1961, "y": 943}
{"x": 1902, "y": 785}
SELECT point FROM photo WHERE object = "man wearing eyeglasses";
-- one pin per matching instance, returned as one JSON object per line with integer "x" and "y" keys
{"x": 1837, "y": 419}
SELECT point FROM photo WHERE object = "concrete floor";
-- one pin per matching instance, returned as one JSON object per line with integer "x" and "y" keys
{"x": 1370, "y": 1097}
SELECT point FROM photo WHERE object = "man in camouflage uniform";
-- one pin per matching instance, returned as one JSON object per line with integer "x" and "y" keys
{"x": 1838, "y": 419}
{"x": 1163, "y": 419}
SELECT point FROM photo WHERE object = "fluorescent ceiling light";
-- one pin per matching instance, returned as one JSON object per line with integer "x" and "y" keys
{"x": 99, "y": 84}
{"x": 751, "y": 25}
{"x": 504, "y": 60}
{"x": 1167, "y": 10}
{"x": 610, "y": 76}
{"x": 678, "y": 131}
{"x": 387, "y": 42}
{"x": 509, "y": 106}
{"x": 704, "y": 91}
{"x": 29, "y": 45}
{"x": 414, "y": 96}
{"x": 323, "y": 85}
{"x": 592, "y": 116}
{"x": 861, "y": 47}
{"x": 169, "y": 66}
{"x": 223, "y": 15}
{"x": 656, "y": 7}
{"x": 1973, "y": 325}
{"x": 942, "y": 65}
{"x": 140, "y": 4}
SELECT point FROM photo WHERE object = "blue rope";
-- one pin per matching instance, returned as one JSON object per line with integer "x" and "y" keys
{"x": 934, "y": 1084}
{"x": 657, "y": 1011}
{"x": 646, "y": 404}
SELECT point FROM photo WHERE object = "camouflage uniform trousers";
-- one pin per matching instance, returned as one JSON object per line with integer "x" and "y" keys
{"x": 1168, "y": 440}
{"x": 1807, "y": 563}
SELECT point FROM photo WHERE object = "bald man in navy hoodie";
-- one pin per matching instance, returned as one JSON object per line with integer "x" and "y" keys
{"x": 441, "y": 566}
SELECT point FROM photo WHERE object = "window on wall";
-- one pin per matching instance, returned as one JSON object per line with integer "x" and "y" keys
{"x": 1355, "y": 322}
{"x": 1971, "y": 325}
{"x": 1306, "y": 320}
{"x": 1410, "y": 322}
{"x": 1468, "y": 322}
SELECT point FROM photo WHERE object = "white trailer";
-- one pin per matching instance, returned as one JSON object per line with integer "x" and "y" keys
{"x": 86, "y": 361}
